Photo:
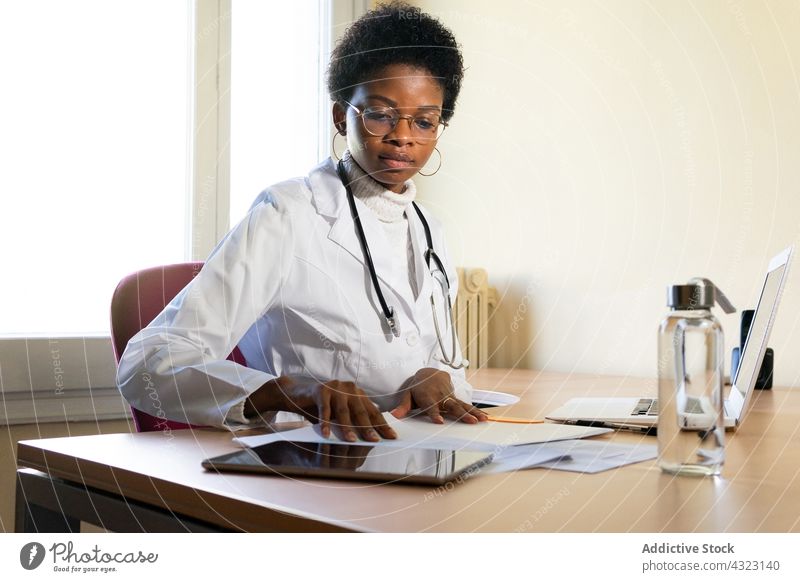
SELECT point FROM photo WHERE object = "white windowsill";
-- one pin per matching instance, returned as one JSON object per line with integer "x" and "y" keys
{"x": 56, "y": 379}
{"x": 71, "y": 405}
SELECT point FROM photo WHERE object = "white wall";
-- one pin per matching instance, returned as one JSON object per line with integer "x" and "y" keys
{"x": 603, "y": 150}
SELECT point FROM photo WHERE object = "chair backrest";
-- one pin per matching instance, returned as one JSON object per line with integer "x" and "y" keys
{"x": 137, "y": 300}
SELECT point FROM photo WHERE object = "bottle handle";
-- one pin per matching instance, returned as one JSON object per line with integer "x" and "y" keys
{"x": 719, "y": 296}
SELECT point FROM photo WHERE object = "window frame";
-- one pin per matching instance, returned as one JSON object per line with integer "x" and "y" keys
{"x": 73, "y": 378}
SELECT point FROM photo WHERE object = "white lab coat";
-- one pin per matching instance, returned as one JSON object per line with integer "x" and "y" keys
{"x": 288, "y": 284}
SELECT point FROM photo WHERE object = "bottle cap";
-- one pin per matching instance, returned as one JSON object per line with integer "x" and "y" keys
{"x": 699, "y": 293}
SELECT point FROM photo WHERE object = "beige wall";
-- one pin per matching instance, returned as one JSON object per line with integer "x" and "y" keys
{"x": 602, "y": 150}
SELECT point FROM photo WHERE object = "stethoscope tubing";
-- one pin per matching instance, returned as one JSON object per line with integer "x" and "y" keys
{"x": 430, "y": 255}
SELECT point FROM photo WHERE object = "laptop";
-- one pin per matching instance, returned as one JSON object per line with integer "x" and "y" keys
{"x": 642, "y": 413}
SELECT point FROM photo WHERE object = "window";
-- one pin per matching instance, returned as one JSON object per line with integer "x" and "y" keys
{"x": 95, "y": 122}
{"x": 109, "y": 166}
{"x": 276, "y": 78}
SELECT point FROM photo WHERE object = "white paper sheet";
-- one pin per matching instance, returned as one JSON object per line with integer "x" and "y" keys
{"x": 595, "y": 456}
{"x": 522, "y": 457}
{"x": 422, "y": 433}
{"x": 492, "y": 398}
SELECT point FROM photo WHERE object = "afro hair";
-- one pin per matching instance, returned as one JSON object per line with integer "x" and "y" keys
{"x": 396, "y": 33}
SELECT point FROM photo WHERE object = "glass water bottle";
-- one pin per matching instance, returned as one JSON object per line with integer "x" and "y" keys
{"x": 691, "y": 427}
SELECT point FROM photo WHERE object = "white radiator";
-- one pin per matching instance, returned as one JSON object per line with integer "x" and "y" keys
{"x": 474, "y": 304}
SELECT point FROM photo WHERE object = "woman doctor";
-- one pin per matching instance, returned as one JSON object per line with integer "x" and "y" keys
{"x": 335, "y": 285}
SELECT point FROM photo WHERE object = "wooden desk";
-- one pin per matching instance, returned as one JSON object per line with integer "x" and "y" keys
{"x": 135, "y": 482}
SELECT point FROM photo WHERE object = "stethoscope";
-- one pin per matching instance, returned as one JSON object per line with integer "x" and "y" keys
{"x": 430, "y": 256}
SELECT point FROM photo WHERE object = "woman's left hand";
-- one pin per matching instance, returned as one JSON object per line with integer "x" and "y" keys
{"x": 432, "y": 391}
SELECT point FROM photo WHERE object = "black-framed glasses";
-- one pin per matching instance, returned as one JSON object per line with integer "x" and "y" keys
{"x": 380, "y": 121}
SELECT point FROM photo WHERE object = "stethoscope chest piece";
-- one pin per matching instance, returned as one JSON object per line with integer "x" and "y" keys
{"x": 391, "y": 321}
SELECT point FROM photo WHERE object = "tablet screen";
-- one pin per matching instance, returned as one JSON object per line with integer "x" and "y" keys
{"x": 353, "y": 461}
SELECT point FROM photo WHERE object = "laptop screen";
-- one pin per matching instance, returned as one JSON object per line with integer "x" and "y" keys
{"x": 757, "y": 337}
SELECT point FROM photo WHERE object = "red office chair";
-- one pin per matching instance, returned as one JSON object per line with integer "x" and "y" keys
{"x": 137, "y": 300}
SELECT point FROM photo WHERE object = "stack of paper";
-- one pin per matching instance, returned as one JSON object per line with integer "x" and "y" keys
{"x": 420, "y": 432}
{"x": 580, "y": 456}
{"x": 515, "y": 446}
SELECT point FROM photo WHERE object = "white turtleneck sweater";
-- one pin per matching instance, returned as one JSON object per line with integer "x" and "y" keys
{"x": 391, "y": 210}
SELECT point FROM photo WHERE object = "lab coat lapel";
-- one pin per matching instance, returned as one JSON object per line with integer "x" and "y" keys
{"x": 330, "y": 199}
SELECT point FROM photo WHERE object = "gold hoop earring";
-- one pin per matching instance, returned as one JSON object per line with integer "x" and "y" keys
{"x": 437, "y": 167}
{"x": 333, "y": 144}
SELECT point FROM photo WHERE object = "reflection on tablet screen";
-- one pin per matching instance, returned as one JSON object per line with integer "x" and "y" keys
{"x": 357, "y": 461}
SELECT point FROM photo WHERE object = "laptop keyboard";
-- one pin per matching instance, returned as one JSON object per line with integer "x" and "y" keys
{"x": 646, "y": 407}
{"x": 649, "y": 407}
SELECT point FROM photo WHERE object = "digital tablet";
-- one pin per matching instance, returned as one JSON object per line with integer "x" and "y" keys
{"x": 362, "y": 461}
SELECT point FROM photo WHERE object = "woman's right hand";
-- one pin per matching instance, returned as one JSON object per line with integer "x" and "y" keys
{"x": 336, "y": 403}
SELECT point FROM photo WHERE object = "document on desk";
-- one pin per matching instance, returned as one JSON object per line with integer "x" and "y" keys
{"x": 579, "y": 456}
{"x": 596, "y": 456}
{"x": 419, "y": 430}
{"x": 520, "y": 457}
